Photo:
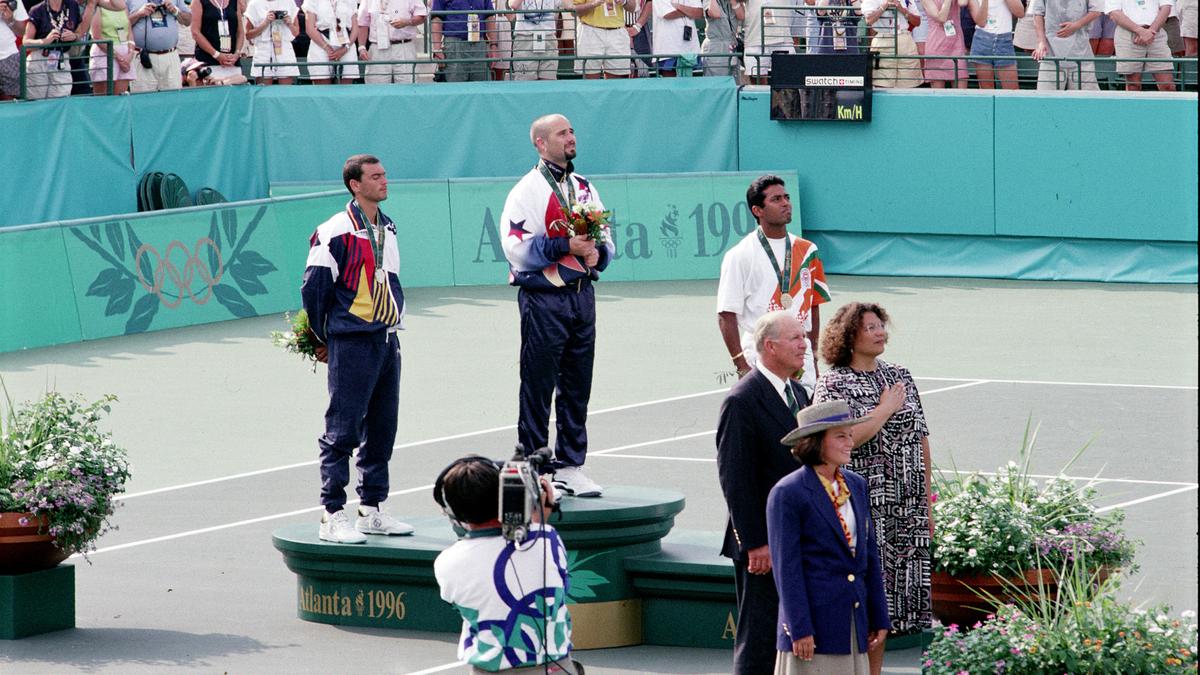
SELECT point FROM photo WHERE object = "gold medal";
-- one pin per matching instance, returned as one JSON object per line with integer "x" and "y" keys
{"x": 785, "y": 300}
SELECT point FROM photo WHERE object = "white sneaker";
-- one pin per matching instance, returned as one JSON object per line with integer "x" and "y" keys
{"x": 573, "y": 481}
{"x": 373, "y": 521}
{"x": 336, "y": 527}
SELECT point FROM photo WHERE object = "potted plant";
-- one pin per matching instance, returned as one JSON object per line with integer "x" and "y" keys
{"x": 1004, "y": 535}
{"x": 59, "y": 475}
{"x": 1079, "y": 628}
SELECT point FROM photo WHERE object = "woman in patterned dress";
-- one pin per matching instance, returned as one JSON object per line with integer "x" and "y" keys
{"x": 891, "y": 451}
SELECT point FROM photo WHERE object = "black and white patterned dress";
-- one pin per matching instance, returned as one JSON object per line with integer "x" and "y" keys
{"x": 895, "y": 471}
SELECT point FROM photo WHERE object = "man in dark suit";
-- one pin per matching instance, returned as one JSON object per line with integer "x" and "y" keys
{"x": 758, "y": 412}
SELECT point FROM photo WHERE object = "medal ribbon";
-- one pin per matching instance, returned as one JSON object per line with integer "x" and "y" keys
{"x": 839, "y": 499}
{"x": 785, "y": 276}
{"x": 360, "y": 223}
{"x": 564, "y": 201}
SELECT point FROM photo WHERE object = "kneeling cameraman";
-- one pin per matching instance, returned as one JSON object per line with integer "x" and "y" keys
{"x": 508, "y": 581}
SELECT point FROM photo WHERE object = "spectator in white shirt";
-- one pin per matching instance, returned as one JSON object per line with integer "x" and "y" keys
{"x": 387, "y": 31}
{"x": 994, "y": 37}
{"x": 893, "y": 21}
{"x": 12, "y": 24}
{"x": 332, "y": 25}
{"x": 1140, "y": 34}
{"x": 675, "y": 33}
{"x": 768, "y": 31}
{"x": 534, "y": 44}
{"x": 271, "y": 25}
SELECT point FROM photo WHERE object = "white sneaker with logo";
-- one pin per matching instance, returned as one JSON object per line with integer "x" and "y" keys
{"x": 373, "y": 521}
{"x": 573, "y": 481}
{"x": 336, "y": 527}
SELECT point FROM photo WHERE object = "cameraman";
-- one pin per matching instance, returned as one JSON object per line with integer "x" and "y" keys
{"x": 198, "y": 74}
{"x": 528, "y": 603}
{"x": 271, "y": 25}
{"x": 155, "y": 27}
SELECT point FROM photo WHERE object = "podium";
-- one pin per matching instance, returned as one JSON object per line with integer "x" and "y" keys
{"x": 633, "y": 581}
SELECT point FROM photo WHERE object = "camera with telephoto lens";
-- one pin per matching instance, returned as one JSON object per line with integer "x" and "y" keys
{"x": 12, "y": 5}
{"x": 281, "y": 15}
{"x": 521, "y": 492}
{"x": 203, "y": 72}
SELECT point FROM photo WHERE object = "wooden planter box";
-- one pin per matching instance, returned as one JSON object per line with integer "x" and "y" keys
{"x": 962, "y": 599}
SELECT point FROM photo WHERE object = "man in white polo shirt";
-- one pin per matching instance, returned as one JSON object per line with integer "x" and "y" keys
{"x": 1140, "y": 35}
{"x": 387, "y": 31}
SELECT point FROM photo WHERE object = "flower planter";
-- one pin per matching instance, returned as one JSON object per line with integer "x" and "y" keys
{"x": 957, "y": 599}
{"x": 23, "y": 548}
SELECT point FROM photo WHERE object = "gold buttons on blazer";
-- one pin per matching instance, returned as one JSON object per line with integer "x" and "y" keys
{"x": 849, "y": 577}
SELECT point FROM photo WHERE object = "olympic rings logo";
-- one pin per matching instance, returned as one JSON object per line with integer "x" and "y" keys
{"x": 193, "y": 267}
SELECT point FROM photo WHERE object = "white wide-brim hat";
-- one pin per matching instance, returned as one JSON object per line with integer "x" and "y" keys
{"x": 819, "y": 417}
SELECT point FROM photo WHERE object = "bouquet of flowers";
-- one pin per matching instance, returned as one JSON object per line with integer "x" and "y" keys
{"x": 56, "y": 462}
{"x": 300, "y": 339}
{"x": 590, "y": 220}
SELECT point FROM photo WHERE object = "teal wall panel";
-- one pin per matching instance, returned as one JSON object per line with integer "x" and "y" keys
{"x": 923, "y": 164}
{"x": 66, "y": 158}
{"x": 475, "y": 209}
{"x": 38, "y": 303}
{"x": 211, "y": 137}
{"x": 1072, "y": 166}
{"x": 480, "y": 130}
{"x": 1037, "y": 258}
{"x": 176, "y": 268}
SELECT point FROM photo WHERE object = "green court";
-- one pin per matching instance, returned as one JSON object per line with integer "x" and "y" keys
{"x": 221, "y": 429}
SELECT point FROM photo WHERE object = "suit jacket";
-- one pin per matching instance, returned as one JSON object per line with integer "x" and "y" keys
{"x": 750, "y": 458}
{"x": 820, "y": 582}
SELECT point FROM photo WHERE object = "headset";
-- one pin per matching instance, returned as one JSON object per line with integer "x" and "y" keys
{"x": 439, "y": 485}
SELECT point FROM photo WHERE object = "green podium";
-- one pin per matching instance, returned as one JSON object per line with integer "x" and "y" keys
{"x": 633, "y": 581}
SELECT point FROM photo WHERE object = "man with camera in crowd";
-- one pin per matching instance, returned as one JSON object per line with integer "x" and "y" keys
{"x": 155, "y": 28}
{"x": 507, "y": 575}
{"x": 271, "y": 25}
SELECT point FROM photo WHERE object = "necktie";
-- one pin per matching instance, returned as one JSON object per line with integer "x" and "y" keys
{"x": 793, "y": 404}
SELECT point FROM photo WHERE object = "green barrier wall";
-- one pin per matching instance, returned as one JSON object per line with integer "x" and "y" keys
{"x": 38, "y": 306}
{"x": 665, "y": 226}
{"x": 122, "y": 275}
{"x": 83, "y": 156}
{"x": 1023, "y": 186}
{"x": 942, "y": 184}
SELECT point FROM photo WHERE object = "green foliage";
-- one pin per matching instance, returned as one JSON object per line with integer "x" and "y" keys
{"x": 1076, "y": 629}
{"x": 1004, "y": 523}
{"x": 300, "y": 339}
{"x": 57, "y": 462}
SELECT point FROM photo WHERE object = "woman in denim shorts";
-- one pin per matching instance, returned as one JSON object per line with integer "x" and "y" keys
{"x": 994, "y": 37}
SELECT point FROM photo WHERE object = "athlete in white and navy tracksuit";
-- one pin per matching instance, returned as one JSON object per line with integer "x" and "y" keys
{"x": 356, "y": 312}
{"x": 558, "y": 312}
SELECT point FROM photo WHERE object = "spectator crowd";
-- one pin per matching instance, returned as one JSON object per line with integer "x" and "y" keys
{"x": 151, "y": 45}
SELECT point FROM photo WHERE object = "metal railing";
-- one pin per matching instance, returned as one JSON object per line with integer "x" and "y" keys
{"x": 43, "y": 76}
{"x": 51, "y": 71}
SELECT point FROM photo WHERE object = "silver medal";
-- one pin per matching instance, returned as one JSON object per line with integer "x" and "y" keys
{"x": 785, "y": 300}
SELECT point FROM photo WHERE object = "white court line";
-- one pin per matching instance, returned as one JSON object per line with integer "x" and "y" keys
{"x": 1064, "y": 384}
{"x": 1146, "y": 499}
{"x": 226, "y": 526}
{"x": 438, "y": 669}
{"x": 402, "y": 446}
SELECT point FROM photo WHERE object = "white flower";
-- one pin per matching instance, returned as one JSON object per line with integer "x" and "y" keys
{"x": 1188, "y": 614}
{"x": 971, "y": 553}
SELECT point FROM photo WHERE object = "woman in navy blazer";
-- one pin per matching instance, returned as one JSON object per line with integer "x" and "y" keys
{"x": 832, "y": 608}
